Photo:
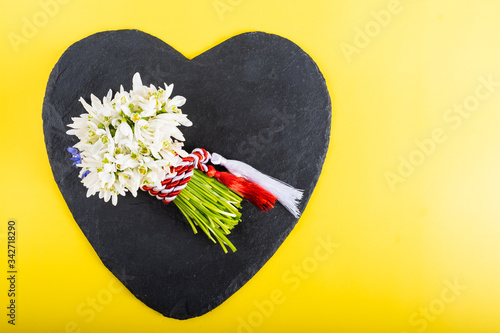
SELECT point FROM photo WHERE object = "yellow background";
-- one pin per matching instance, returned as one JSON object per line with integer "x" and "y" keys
{"x": 399, "y": 247}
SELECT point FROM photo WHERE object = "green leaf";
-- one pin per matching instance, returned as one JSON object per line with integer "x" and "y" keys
{"x": 210, "y": 206}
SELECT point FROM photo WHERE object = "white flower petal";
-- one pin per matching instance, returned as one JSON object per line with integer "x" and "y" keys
{"x": 168, "y": 91}
{"x": 177, "y": 101}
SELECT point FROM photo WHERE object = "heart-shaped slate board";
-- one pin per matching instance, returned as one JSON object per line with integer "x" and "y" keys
{"x": 256, "y": 97}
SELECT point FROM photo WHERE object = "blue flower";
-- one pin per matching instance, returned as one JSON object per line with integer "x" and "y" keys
{"x": 76, "y": 157}
{"x": 72, "y": 150}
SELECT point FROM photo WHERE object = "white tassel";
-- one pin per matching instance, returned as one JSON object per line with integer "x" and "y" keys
{"x": 288, "y": 195}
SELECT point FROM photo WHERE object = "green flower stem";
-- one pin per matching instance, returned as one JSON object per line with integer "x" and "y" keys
{"x": 211, "y": 206}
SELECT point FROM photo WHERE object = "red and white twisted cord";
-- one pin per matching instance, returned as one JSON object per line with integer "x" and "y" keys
{"x": 260, "y": 189}
{"x": 179, "y": 176}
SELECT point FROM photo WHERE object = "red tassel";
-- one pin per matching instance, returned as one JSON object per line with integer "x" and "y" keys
{"x": 251, "y": 191}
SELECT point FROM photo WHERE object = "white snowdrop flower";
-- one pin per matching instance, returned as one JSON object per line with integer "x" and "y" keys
{"x": 129, "y": 140}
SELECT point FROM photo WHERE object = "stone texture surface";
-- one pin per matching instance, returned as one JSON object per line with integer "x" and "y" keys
{"x": 256, "y": 97}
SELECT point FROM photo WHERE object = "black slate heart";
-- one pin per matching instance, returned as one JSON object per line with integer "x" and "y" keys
{"x": 256, "y": 97}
